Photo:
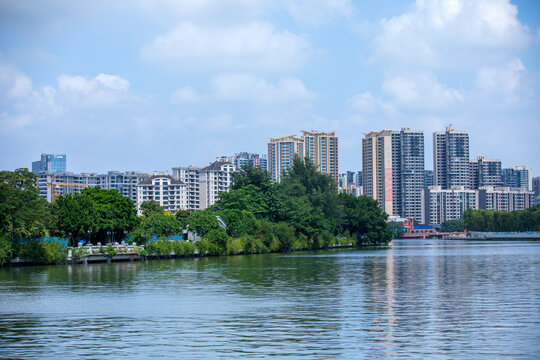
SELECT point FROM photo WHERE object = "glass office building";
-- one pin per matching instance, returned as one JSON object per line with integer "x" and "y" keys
{"x": 50, "y": 162}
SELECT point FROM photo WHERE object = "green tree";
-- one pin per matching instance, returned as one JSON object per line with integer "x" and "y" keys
{"x": 116, "y": 214}
{"x": 202, "y": 222}
{"x": 151, "y": 207}
{"x": 240, "y": 222}
{"x": 218, "y": 238}
{"x": 397, "y": 228}
{"x": 74, "y": 216}
{"x": 23, "y": 213}
{"x": 158, "y": 225}
{"x": 250, "y": 175}
{"x": 363, "y": 219}
{"x": 182, "y": 216}
{"x": 456, "y": 225}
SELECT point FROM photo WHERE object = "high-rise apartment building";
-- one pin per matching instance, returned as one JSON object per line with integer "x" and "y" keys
{"x": 428, "y": 178}
{"x": 321, "y": 148}
{"x": 214, "y": 180}
{"x": 536, "y": 189}
{"x": 203, "y": 185}
{"x": 281, "y": 153}
{"x": 393, "y": 170}
{"x": 61, "y": 183}
{"x": 505, "y": 199}
{"x": 190, "y": 176}
{"x": 168, "y": 192}
{"x": 451, "y": 164}
{"x": 242, "y": 158}
{"x": 440, "y": 205}
{"x": 485, "y": 172}
{"x": 53, "y": 163}
{"x": 517, "y": 177}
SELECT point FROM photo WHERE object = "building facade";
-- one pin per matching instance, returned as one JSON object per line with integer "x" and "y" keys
{"x": 190, "y": 175}
{"x": 53, "y": 163}
{"x": 505, "y": 199}
{"x": 281, "y": 153}
{"x": 485, "y": 172}
{"x": 51, "y": 184}
{"x": 321, "y": 148}
{"x": 517, "y": 177}
{"x": 440, "y": 205}
{"x": 214, "y": 180}
{"x": 256, "y": 160}
{"x": 393, "y": 170}
{"x": 168, "y": 192}
{"x": 451, "y": 164}
{"x": 536, "y": 189}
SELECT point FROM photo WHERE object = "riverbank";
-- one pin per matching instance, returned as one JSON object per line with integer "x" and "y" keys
{"x": 51, "y": 253}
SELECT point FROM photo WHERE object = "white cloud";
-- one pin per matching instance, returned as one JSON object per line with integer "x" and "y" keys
{"x": 500, "y": 80}
{"x": 421, "y": 91}
{"x": 254, "y": 45}
{"x": 247, "y": 87}
{"x": 185, "y": 94}
{"x": 114, "y": 82}
{"x": 450, "y": 33}
{"x": 103, "y": 90}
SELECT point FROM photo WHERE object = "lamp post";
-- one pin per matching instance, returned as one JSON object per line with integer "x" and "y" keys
{"x": 109, "y": 236}
{"x": 89, "y": 236}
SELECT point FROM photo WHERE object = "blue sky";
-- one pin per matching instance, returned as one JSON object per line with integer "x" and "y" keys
{"x": 148, "y": 85}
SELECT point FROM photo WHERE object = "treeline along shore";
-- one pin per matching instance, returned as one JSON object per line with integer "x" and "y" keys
{"x": 302, "y": 212}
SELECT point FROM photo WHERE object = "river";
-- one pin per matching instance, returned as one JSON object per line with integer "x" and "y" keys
{"x": 415, "y": 299}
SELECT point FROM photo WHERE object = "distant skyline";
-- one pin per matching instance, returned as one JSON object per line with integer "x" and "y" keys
{"x": 149, "y": 85}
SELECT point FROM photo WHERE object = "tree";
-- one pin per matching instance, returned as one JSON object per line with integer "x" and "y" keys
{"x": 456, "y": 225}
{"x": 240, "y": 222}
{"x": 74, "y": 216}
{"x": 23, "y": 213}
{"x": 157, "y": 225}
{"x": 363, "y": 218}
{"x": 182, "y": 216}
{"x": 397, "y": 228}
{"x": 202, "y": 222}
{"x": 151, "y": 207}
{"x": 116, "y": 214}
{"x": 250, "y": 175}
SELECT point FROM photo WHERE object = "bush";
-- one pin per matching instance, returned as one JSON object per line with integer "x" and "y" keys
{"x": 234, "y": 246}
{"x": 204, "y": 247}
{"x": 6, "y": 251}
{"x": 183, "y": 248}
{"x": 218, "y": 237}
{"x": 161, "y": 247}
{"x": 252, "y": 245}
{"x": 43, "y": 252}
{"x": 78, "y": 252}
{"x": 110, "y": 251}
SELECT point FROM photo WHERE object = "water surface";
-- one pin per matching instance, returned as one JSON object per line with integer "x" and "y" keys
{"x": 416, "y": 299}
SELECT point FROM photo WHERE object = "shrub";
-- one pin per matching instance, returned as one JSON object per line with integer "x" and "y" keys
{"x": 43, "y": 252}
{"x": 252, "y": 245}
{"x": 234, "y": 246}
{"x": 110, "y": 251}
{"x": 6, "y": 251}
{"x": 203, "y": 247}
{"x": 142, "y": 252}
{"x": 183, "y": 248}
{"x": 161, "y": 247}
{"x": 217, "y": 237}
{"x": 78, "y": 252}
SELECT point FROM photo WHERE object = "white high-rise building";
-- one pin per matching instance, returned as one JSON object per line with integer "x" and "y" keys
{"x": 168, "y": 192}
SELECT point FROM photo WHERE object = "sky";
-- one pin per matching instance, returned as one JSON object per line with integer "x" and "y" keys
{"x": 149, "y": 85}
